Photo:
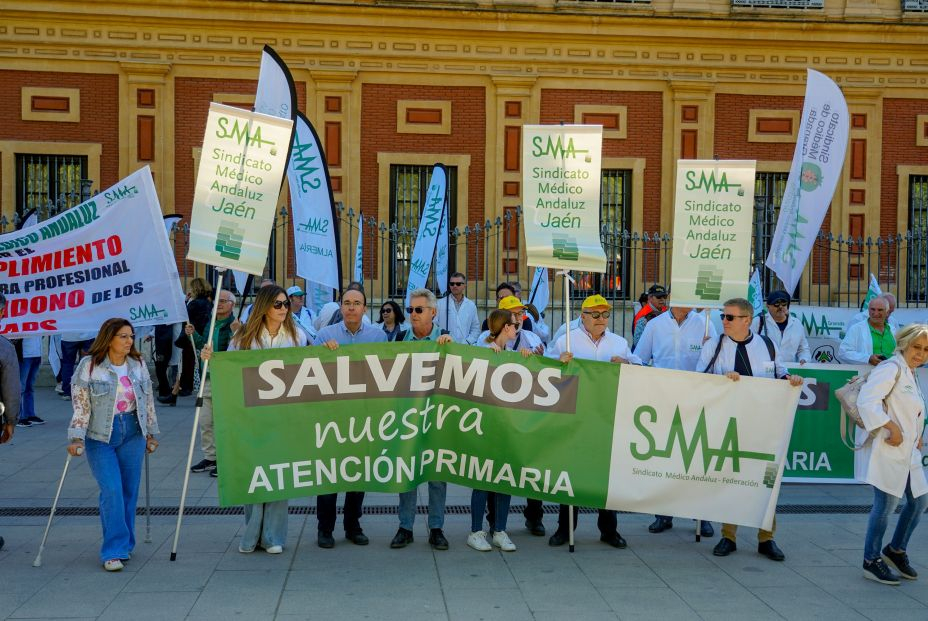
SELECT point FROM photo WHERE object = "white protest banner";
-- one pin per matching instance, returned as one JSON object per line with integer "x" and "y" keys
{"x": 426, "y": 238}
{"x": 756, "y": 293}
{"x": 441, "y": 252}
{"x": 276, "y": 94}
{"x": 816, "y": 168}
{"x": 539, "y": 292}
{"x": 315, "y": 226}
{"x": 713, "y": 212}
{"x": 235, "y": 199}
{"x": 107, "y": 257}
{"x": 359, "y": 251}
{"x": 561, "y": 181}
{"x": 693, "y": 448}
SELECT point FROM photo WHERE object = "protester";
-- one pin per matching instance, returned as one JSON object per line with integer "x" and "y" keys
{"x": 656, "y": 304}
{"x": 505, "y": 290}
{"x": 270, "y": 326}
{"x": 74, "y": 346}
{"x": 331, "y": 312}
{"x": 421, "y": 312}
{"x": 349, "y": 331}
{"x": 673, "y": 340}
{"x": 199, "y": 311}
{"x": 592, "y": 341}
{"x": 226, "y": 326}
{"x": 872, "y": 341}
{"x": 9, "y": 387}
{"x": 302, "y": 315}
{"x": 167, "y": 357}
{"x": 392, "y": 318}
{"x": 114, "y": 416}
{"x": 735, "y": 353}
{"x": 863, "y": 315}
{"x": 502, "y": 333}
{"x": 457, "y": 313}
{"x": 892, "y": 400}
{"x": 29, "y": 354}
{"x": 787, "y": 332}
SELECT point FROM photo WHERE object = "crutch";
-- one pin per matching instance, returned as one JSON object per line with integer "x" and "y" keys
{"x": 147, "y": 501}
{"x": 67, "y": 462}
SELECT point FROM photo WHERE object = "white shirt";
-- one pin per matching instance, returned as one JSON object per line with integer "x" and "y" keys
{"x": 541, "y": 329}
{"x": 574, "y": 323}
{"x": 758, "y": 358}
{"x": 857, "y": 346}
{"x": 461, "y": 321}
{"x": 791, "y": 343}
{"x": 672, "y": 345}
{"x": 889, "y": 468}
{"x": 582, "y": 346}
{"x": 524, "y": 338}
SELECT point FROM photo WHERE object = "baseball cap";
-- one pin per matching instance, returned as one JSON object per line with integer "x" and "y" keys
{"x": 777, "y": 296}
{"x": 511, "y": 302}
{"x": 294, "y": 290}
{"x": 658, "y": 290}
{"x": 594, "y": 301}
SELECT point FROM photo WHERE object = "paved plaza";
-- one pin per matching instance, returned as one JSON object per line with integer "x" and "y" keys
{"x": 666, "y": 576}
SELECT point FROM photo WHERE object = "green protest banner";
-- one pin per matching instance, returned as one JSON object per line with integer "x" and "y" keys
{"x": 712, "y": 227}
{"x": 306, "y": 421}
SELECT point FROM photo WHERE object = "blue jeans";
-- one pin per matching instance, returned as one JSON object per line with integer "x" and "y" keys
{"x": 28, "y": 369}
{"x": 117, "y": 467}
{"x": 478, "y": 504}
{"x": 437, "y": 492}
{"x": 883, "y": 506}
{"x": 69, "y": 352}
{"x": 265, "y": 524}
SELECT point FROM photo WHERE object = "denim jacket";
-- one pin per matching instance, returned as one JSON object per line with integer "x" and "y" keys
{"x": 93, "y": 396}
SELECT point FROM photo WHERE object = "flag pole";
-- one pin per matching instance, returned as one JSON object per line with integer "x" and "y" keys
{"x": 705, "y": 337}
{"x": 570, "y": 509}
{"x": 196, "y": 421}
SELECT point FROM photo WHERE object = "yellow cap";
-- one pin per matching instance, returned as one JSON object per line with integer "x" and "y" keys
{"x": 595, "y": 300}
{"x": 511, "y": 302}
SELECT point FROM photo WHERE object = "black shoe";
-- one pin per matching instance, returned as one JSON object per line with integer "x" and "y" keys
{"x": 203, "y": 465}
{"x": 1, "y": 543}
{"x": 24, "y": 422}
{"x": 214, "y": 472}
{"x": 535, "y": 527}
{"x": 660, "y": 524}
{"x": 724, "y": 547}
{"x": 325, "y": 540}
{"x": 705, "y": 529}
{"x": 437, "y": 539}
{"x": 185, "y": 393}
{"x": 559, "y": 538}
{"x": 879, "y": 572}
{"x": 35, "y": 420}
{"x": 401, "y": 539}
{"x": 358, "y": 538}
{"x": 771, "y": 550}
{"x": 614, "y": 539}
{"x": 168, "y": 400}
{"x": 900, "y": 562}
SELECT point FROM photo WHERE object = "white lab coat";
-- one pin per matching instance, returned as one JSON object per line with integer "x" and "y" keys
{"x": 889, "y": 468}
{"x": 857, "y": 346}
{"x": 792, "y": 343}
{"x": 461, "y": 322}
{"x": 582, "y": 346}
{"x": 671, "y": 345}
{"x": 758, "y": 356}
{"x": 574, "y": 323}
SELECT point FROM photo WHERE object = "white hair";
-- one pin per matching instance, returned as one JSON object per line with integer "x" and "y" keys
{"x": 422, "y": 292}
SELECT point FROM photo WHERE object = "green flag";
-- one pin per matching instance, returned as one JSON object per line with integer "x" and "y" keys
{"x": 872, "y": 291}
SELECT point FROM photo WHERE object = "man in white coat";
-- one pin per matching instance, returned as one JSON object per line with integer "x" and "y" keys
{"x": 302, "y": 315}
{"x": 872, "y": 341}
{"x": 673, "y": 340}
{"x": 457, "y": 313}
{"x": 784, "y": 330}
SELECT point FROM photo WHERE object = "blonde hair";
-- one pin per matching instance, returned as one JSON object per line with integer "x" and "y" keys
{"x": 907, "y": 335}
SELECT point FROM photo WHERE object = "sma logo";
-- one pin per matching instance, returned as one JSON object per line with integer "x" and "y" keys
{"x": 709, "y": 183}
{"x": 555, "y": 147}
{"x": 241, "y": 132}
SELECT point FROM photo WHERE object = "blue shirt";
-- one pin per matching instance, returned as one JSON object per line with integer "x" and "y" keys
{"x": 343, "y": 336}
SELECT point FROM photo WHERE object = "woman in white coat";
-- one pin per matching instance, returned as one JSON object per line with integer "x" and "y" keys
{"x": 892, "y": 461}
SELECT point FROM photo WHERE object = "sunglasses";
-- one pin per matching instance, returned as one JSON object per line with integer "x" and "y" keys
{"x": 597, "y": 314}
{"x": 779, "y": 304}
{"x": 726, "y": 317}
{"x": 417, "y": 310}
{"x": 456, "y": 284}
{"x": 279, "y": 304}
{"x": 385, "y": 311}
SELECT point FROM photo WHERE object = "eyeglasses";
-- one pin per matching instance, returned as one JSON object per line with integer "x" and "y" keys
{"x": 417, "y": 309}
{"x": 126, "y": 336}
{"x": 279, "y": 304}
{"x": 224, "y": 301}
{"x": 660, "y": 297}
{"x": 386, "y": 311}
{"x": 597, "y": 314}
{"x": 726, "y": 317}
{"x": 456, "y": 284}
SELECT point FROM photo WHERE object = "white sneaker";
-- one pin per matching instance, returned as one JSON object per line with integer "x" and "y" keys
{"x": 114, "y": 564}
{"x": 274, "y": 549}
{"x": 478, "y": 541}
{"x": 59, "y": 389}
{"x": 502, "y": 541}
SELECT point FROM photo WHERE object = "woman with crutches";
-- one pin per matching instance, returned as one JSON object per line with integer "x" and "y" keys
{"x": 114, "y": 416}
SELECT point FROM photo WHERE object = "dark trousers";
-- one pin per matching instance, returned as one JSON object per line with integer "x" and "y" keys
{"x": 162, "y": 368}
{"x": 189, "y": 359}
{"x": 326, "y": 509}
{"x": 533, "y": 509}
{"x": 70, "y": 350}
{"x": 607, "y": 521}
